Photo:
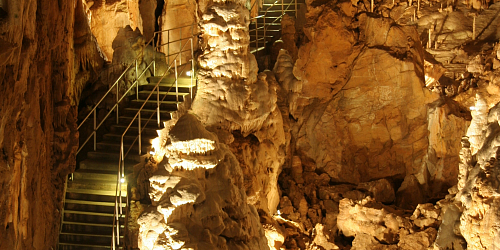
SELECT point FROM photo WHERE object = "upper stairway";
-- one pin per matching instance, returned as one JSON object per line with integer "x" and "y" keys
{"x": 95, "y": 205}
{"x": 265, "y": 28}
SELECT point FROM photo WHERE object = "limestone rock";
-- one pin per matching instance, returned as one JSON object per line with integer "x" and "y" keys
{"x": 208, "y": 197}
{"x": 381, "y": 190}
{"x": 375, "y": 109}
{"x": 105, "y": 29}
{"x": 367, "y": 218}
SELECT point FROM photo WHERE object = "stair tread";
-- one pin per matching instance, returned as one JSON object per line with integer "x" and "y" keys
{"x": 147, "y": 110}
{"x": 90, "y": 224}
{"x": 70, "y": 211}
{"x": 162, "y": 92}
{"x": 154, "y": 101}
{"x": 92, "y": 203}
{"x": 89, "y": 235}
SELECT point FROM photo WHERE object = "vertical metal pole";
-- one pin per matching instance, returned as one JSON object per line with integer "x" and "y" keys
{"x": 139, "y": 127}
{"x": 118, "y": 229}
{"x": 95, "y": 133}
{"x": 158, "y": 104}
{"x": 168, "y": 47}
{"x": 180, "y": 46}
{"x": 192, "y": 69}
{"x": 176, "y": 85}
{"x": 257, "y": 34}
{"x": 296, "y": 13}
{"x": 264, "y": 27}
{"x": 136, "y": 81}
{"x": 117, "y": 99}
{"x": 122, "y": 160}
{"x": 113, "y": 244}
{"x": 282, "y": 9}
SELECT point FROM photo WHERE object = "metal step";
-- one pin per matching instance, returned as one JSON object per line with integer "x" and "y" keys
{"x": 91, "y": 203}
{"x": 170, "y": 96}
{"x": 153, "y": 104}
{"x": 97, "y": 155}
{"x": 91, "y": 206}
{"x": 98, "y": 175}
{"x": 167, "y": 82}
{"x": 127, "y": 138}
{"x": 145, "y": 130}
{"x": 152, "y": 123}
{"x": 71, "y": 246}
{"x": 89, "y": 164}
{"x": 148, "y": 113}
{"x": 116, "y": 146}
{"x": 95, "y": 187}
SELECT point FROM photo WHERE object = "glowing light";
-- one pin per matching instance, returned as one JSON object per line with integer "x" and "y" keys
{"x": 472, "y": 108}
{"x": 279, "y": 213}
{"x": 188, "y": 73}
{"x": 122, "y": 180}
{"x": 152, "y": 152}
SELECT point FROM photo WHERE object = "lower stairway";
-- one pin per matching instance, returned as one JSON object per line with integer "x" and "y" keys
{"x": 87, "y": 220}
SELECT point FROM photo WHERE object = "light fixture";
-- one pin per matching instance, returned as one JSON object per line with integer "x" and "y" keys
{"x": 122, "y": 180}
{"x": 152, "y": 152}
{"x": 279, "y": 213}
{"x": 188, "y": 73}
{"x": 472, "y": 108}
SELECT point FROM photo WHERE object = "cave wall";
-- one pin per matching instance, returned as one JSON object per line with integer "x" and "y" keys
{"x": 37, "y": 122}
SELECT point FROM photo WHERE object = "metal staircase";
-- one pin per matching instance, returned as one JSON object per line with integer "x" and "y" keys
{"x": 265, "y": 28}
{"x": 95, "y": 205}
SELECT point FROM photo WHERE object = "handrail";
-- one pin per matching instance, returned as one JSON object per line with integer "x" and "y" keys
{"x": 116, "y": 84}
{"x": 266, "y": 26}
{"x": 121, "y": 162}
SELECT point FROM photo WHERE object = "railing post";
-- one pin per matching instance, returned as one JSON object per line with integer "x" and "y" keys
{"x": 264, "y": 27}
{"x": 176, "y": 84}
{"x": 192, "y": 69}
{"x": 296, "y": 13}
{"x": 117, "y": 100}
{"x": 139, "y": 127}
{"x": 168, "y": 47}
{"x": 137, "y": 80}
{"x": 282, "y": 9}
{"x": 180, "y": 46}
{"x": 95, "y": 132}
{"x": 158, "y": 104}
{"x": 257, "y": 34}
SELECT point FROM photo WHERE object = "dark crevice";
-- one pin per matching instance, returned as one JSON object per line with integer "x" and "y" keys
{"x": 159, "y": 10}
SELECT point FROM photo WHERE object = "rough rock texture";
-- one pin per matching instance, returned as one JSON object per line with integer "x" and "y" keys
{"x": 176, "y": 14}
{"x": 107, "y": 17}
{"x": 200, "y": 206}
{"x": 363, "y": 113}
{"x": 238, "y": 104}
{"x": 375, "y": 226}
{"x": 38, "y": 137}
{"x": 479, "y": 196}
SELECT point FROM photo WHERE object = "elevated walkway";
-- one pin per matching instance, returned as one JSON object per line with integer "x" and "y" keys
{"x": 95, "y": 205}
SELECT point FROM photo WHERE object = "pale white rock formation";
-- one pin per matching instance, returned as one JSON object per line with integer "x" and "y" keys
{"x": 479, "y": 195}
{"x": 202, "y": 205}
{"x": 239, "y": 104}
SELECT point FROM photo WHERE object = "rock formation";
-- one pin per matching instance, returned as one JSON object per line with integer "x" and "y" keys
{"x": 198, "y": 196}
{"x": 38, "y": 136}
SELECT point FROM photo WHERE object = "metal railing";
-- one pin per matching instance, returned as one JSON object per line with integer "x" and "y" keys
{"x": 183, "y": 42}
{"x": 135, "y": 84}
{"x": 118, "y": 211}
{"x": 263, "y": 25}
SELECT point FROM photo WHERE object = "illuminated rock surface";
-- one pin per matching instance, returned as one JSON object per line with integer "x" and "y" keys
{"x": 202, "y": 205}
